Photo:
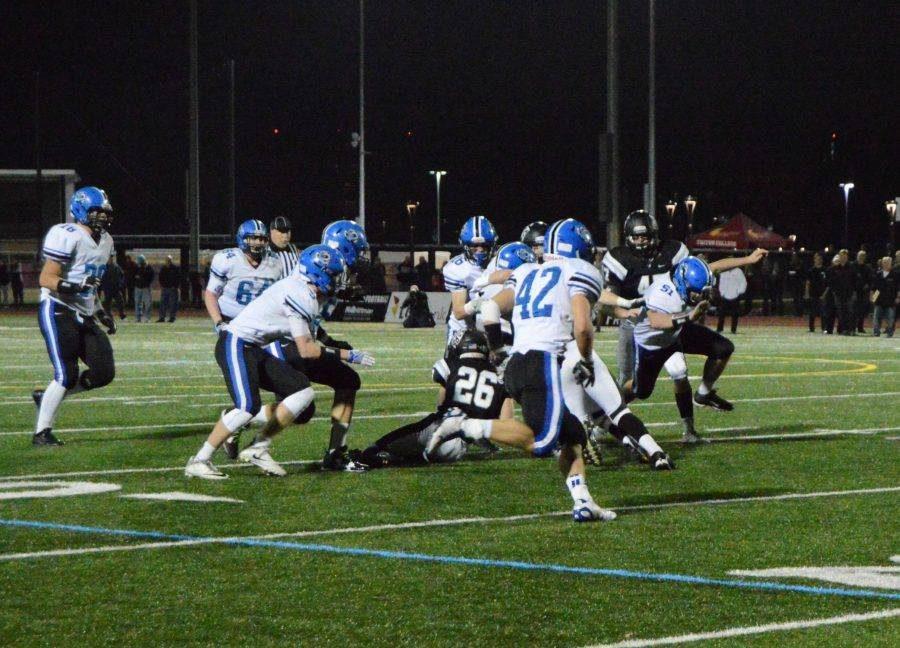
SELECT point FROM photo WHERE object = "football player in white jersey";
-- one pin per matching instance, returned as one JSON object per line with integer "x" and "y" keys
{"x": 239, "y": 275}
{"x": 349, "y": 239}
{"x": 667, "y": 329}
{"x": 548, "y": 302}
{"x": 287, "y": 308}
{"x": 478, "y": 238}
{"x": 75, "y": 258}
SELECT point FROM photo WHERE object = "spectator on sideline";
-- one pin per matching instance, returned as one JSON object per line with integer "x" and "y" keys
{"x": 405, "y": 273}
{"x": 4, "y": 284}
{"x": 842, "y": 283}
{"x": 796, "y": 283}
{"x": 417, "y": 310}
{"x": 886, "y": 297}
{"x": 732, "y": 284}
{"x": 815, "y": 287}
{"x": 863, "y": 276}
{"x": 423, "y": 273}
{"x": 18, "y": 287}
{"x": 111, "y": 287}
{"x": 169, "y": 280}
{"x": 143, "y": 279}
{"x": 129, "y": 268}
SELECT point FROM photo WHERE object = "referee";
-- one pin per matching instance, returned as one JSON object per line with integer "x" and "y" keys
{"x": 280, "y": 244}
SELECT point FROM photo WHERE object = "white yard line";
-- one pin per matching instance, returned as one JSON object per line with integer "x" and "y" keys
{"x": 208, "y": 424}
{"x": 753, "y": 630}
{"x": 432, "y": 523}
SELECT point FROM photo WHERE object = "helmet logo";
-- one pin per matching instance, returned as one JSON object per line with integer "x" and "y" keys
{"x": 523, "y": 254}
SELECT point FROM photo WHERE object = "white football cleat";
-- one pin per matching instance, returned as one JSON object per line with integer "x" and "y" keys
{"x": 590, "y": 511}
{"x": 450, "y": 428}
{"x": 261, "y": 458}
{"x": 203, "y": 470}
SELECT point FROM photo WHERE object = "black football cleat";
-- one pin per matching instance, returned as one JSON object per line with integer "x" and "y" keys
{"x": 45, "y": 438}
{"x": 337, "y": 460}
{"x": 712, "y": 399}
{"x": 231, "y": 446}
{"x": 661, "y": 461}
{"x": 37, "y": 395}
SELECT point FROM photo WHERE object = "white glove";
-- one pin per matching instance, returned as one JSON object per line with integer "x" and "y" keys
{"x": 473, "y": 306}
{"x": 481, "y": 282}
{"x": 363, "y": 358}
{"x": 628, "y": 304}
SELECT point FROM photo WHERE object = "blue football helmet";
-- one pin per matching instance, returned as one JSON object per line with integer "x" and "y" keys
{"x": 90, "y": 206}
{"x": 252, "y": 229}
{"x": 511, "y": 255}
{"x": 349, "y": 238}
{"x": 322, "y": 266}
{"x": 478, "y": 231}
{"x": 569, "y": 239}
{"x": 693, "y": 279}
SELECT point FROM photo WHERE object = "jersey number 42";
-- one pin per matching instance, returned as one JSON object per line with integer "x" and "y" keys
{"x": 530, "y": 297}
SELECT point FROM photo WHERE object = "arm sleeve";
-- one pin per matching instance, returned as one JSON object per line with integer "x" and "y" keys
{"x": 58, "y": 246}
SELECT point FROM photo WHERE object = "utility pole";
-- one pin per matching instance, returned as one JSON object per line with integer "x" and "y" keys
{"x": 194, "y": 171}
{"x": 362, "y": 117}
{"x": 38, "y": 180}
{"x": 650, "y": 199}
{"x": 231, "y": 152}
{"x": 609, "y": 145}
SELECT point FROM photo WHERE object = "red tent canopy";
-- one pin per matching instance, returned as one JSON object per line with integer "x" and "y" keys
{"x": 739, "y": 233}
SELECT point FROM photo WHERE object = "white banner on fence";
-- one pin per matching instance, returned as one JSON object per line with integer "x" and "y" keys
{"x": 439, "y": 303}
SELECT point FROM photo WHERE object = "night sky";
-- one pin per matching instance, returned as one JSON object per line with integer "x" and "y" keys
{"x": 508, "y": 96}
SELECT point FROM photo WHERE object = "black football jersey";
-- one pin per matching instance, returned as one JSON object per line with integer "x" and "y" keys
{"x": 629, "y": 274}
{"x": 474, "y": 387}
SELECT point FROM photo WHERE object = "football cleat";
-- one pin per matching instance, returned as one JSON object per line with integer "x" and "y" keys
{"x": 591, "y": 450}
{"x": 261, "y": 458}
{"x": 45, "y": 438}
{"x": 692, "y": 438}
{"x": 712, "y": 399}
{"x": 338, "y": 460}
{"x": 37, "y": 395}
{"x": 450, "y": 428}
{"x": 231, "y": 446}
{"x": 203, "y": 470}
{"x": 634, "y": 449}
{"x": 590, "y": 511}
{"x": 661, "y": 461}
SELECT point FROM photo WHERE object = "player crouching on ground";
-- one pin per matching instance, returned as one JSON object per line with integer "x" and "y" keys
{"x": 75, "y": 256}
{"x": 473, "y": 388}
{"x": 667, "y": 329}
{"x": 288, "y": 308}
{"x": 548, "y": 302}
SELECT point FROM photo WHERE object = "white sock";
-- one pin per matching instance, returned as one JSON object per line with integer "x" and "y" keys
{"x": 649, "y": 445}
{"x": 477, "y": 429}
{"x": 262, "y": 416}
{"x": 578, "y": 489}
{"x": 205, "y": 453}
{"x": 704, "y": 389}
{"x": 50, "y": 402}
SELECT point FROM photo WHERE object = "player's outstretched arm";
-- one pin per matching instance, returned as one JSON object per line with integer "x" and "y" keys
{"x": 736, "y": 262}
{"x": 497, "y": 277}
{"x": 582, "y": 326}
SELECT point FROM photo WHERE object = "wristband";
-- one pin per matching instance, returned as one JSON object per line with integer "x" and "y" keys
{"x": 68, "y": 288}
{"x": 621, "y": 302}
{"x": 332, "y": 353}
{"x": 679, "y": 320}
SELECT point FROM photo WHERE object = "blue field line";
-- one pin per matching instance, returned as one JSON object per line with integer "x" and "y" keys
{"x": 462, "y": 560}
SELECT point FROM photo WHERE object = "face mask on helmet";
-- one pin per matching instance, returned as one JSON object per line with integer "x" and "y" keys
{"x": 99, "y": 220}
{"x": 641, "y": 233}
{"x": 256, "y": 245}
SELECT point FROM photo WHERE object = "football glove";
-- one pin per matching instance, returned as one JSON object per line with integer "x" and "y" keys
{"x": 363, "y": 358}
{"x": 219, "y": 326}
{"x": 584, "y": 372}
{"x": 72, "y": 287}
{"x": 107, "y": 321}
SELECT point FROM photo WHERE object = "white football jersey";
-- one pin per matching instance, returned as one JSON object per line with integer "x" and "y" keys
{"x": 487, "y": 292}
{"x": 80, "y": 257}
{"x": 288, "y": 308}
{"x": 542, "y": 315}
{"x": 662, "y": 297}
{"x": 459, "y": 274}
{"x": 237, "y": 283}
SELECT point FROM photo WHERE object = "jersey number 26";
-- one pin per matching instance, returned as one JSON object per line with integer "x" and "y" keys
{"x": 475, "y": 387}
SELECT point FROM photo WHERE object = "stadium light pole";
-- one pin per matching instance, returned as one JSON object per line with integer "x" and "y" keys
{"x": 690, "y": 203}
{"x": 438, "y": 174}
{"x": 670, "y": 210}
{"x": 411, "y": 207}
{"x": 846, "y": 188}
{"x": 361, "y": 139}
{"x": 891, "y": 207}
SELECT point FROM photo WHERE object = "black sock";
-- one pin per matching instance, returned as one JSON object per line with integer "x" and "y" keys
{"x": 685, "y": 402}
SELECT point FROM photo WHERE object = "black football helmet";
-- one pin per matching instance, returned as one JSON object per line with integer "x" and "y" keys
{"x": 472, "y": 343}
{"x": 641, "y": 224}
{"x": 533, "y": 236}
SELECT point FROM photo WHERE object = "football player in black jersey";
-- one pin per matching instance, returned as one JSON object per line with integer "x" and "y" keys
{"x": 533, "y": 235}
{"x": 628, "y": 270}
{"x": 472, "y": 386}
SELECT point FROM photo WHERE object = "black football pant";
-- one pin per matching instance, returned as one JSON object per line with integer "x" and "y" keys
{"x": 729, "y": 307}
{"x": 70, "y": 336}
{"x": 330, "y": 372}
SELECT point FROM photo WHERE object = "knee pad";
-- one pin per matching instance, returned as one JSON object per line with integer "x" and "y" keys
{"x": 306, "y": 415}
{"x": 299, "y": 401}
{"x": 235, "y": 419}
{"x": 676, "y": 367}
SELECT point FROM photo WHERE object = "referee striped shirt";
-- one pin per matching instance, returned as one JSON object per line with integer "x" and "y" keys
{"x": 288, "y": 256}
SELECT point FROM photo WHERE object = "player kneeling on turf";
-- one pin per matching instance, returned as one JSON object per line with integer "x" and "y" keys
{"x": 287, "y": 308}
{"x": 547, "y": 301}
{"x": 473, "y": 389}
